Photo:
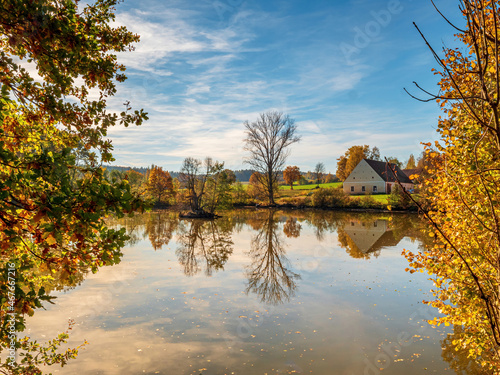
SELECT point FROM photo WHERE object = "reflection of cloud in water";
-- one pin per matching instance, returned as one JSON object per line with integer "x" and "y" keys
{"x": 138, "y": 349}
{"x": 154, "y": 319}
{"x": 179, "y": 345}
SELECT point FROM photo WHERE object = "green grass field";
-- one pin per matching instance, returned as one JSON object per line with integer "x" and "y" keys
{"x": 381, "y": 198}
{"x": 310, "y": 187}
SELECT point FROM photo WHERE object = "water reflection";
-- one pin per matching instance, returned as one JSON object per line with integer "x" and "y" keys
{"x": 159, "y": 230}
{"x": 292, "y": 228}
{"x": 363, "y": 238}
{"x": 458, "y": 357}
{"x": 269, "y": 274}
{"x": 203, "y": 244}
{"x": 207, "y": 244}
{"x": 330, "y": 316}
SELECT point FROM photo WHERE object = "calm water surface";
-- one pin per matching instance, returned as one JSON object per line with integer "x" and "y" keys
{"x": 256, "y": 292}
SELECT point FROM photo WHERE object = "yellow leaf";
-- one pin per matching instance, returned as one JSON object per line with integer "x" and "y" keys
{"x": 50, "y": 239}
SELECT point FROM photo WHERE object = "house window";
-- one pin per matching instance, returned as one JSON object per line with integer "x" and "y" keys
{"x": 363, "y": 189}
{"x": 374, "y": 223}
{"x": 374, "y": 189}
{"x": 352, "y": 189}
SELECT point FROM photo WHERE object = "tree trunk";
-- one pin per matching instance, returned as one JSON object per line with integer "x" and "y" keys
{"x": 270, "y": 187}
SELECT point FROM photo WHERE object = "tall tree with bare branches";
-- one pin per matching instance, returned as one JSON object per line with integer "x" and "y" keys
{"x": 319, "y": 170}
{"x": 268, "y": 140}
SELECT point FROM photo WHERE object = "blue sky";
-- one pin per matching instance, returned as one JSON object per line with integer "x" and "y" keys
{"x": 338, "y": 68}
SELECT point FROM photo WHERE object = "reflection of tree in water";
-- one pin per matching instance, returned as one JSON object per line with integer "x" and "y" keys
{"x": 157, "y": 226}
{"x": 269, "y": 275}
{"x": 323, "y": 222}
{"x": 160, "y": 229}
{"x": 458, "y": 358}
{"x": 203, "y": 242}
{"x": 292, "y": 228}
{"x": 133, "y": 226}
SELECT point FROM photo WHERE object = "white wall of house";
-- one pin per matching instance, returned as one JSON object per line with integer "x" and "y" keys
{"x": 390, "y": 186}
{"x": 364, "y": 180}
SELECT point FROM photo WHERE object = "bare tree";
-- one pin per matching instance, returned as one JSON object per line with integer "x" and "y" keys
{"x": 319, "y": 170}
{"x": 267, "y": 141}
{"x": 196, "y": 177}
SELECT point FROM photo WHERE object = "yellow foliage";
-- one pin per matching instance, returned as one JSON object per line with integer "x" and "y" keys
{"x": 463, "y": 192}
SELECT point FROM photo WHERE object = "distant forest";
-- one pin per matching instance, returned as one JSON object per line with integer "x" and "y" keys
{"x": 241, "y": 175}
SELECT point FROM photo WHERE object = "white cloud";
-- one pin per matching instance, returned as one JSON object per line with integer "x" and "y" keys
{"x": 200, "y": 78}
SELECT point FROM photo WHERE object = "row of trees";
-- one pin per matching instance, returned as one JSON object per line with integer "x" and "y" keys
{"x": 291, "y": 174}
{"x": 206, "y": 185}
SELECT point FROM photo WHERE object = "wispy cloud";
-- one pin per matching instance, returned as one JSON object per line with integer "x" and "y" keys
{"x": 200, "y": 76}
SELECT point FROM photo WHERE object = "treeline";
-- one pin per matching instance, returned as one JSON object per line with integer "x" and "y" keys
{"x": 242, "y": 175}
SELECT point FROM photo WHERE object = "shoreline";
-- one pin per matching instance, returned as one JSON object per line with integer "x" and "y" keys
{"x": 288, "y": 207}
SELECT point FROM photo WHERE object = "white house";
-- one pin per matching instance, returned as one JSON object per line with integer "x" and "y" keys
{"x": 375, "y": 177}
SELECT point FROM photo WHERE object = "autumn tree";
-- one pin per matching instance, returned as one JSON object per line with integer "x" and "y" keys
{"x": 268, "y": 140}
{"x": 219, "y": 188}
{"x": 291, "y": 174}
{"x": 410, "y": 164}
{"x": 159, "y": 183}
{"x": 53, "y": 205}
{"x": 319, "y": 170}
{"x": 463, "y": 188}
{"x": 135, "y": 179}
{"x": 229, "y": 176}
{"x": 329, "y": 178}
{"x": 394, "y": 160}
{"x": 202, "y": 182}
{"x": 255, "y": 188}
{"x": 115, "y": 175}
{"x": 347, "y": 162}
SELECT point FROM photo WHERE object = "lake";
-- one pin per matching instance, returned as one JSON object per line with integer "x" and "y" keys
{"x": 255, "y": 292}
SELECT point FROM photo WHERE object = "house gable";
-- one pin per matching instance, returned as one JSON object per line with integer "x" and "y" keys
{"x": 363, "y": 172}
{"x": 364, "y": 180}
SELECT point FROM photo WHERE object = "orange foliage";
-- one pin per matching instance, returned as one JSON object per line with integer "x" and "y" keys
{"x": 291, "y": 174}
{"x": 159, "y": 183}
